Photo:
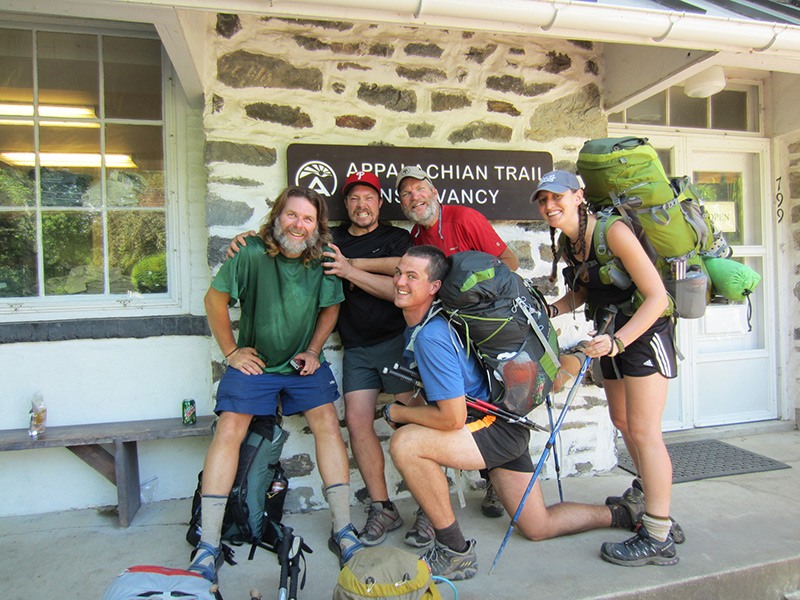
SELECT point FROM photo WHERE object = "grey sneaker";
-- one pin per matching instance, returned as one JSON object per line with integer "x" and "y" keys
{"x": 633, "y": 501}
{"x": 491, "y": 506}
{"x": 421, "y": 534}
{"x": 453, "y": 565}
{"x": 380, "y": 522}
{"x": 640, "y": 550}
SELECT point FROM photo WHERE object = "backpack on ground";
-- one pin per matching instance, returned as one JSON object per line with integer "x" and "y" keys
{"x": 504, "y": 319}
{"x": 385, "y": 572}
{"x": 625, "y": 180}
{"x": 255, "y": 505}
{"x": 160, "y": 583}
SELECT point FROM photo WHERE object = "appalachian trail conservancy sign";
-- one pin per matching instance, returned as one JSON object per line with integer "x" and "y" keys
{"x": 497, "y": 183}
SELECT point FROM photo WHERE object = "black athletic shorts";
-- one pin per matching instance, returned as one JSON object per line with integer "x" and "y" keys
{"x": 502, "y": 445}
{"x": 652, "y": 352}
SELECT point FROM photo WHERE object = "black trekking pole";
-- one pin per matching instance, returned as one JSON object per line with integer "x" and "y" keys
{"x": 548, "y": 447}
{"x": 283, "y": 558}
{"x": 549, "y": 403}
{"x": 295, "y": 555}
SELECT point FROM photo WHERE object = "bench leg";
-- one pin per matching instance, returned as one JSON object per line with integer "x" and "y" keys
{"x": 126, "y": 460}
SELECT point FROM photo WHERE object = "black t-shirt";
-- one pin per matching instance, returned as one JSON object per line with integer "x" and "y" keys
{"x": 365, "y": 320}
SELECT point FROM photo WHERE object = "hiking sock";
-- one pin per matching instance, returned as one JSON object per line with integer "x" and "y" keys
{"x": 338, "y": 497}
{"x": 657, "y": 527}
{"x": 620, "y": 517}
{"x": 452, "y": 537}
{"x": 212, "y": 509}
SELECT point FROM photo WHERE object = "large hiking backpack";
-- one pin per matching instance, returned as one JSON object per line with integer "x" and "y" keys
{"x": 255, "y": 505}
{"x": 160, "y": 583}
{"x": 385, "y": 572}
{"x": 624, "y": 179}
{"x": 504, "y": 319}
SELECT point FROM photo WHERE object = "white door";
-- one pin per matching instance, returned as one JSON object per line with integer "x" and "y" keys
{"x": 728, "y": 372}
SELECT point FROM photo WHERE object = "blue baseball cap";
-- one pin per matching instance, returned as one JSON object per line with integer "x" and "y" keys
{"x": 557, "y": 182}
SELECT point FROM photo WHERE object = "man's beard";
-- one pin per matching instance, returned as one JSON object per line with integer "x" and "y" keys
{"x": 423, "y": 219}
{"x": 291, "y": 246}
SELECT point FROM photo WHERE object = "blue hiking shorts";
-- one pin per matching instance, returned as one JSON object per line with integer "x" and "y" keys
{"x": 260, "y": 394}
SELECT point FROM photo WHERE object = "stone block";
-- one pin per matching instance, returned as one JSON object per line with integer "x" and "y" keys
{"x": 557, "y": 62}
{"x": 333, "y": 25}
{"x": 308, "y": 42}
{"x": 577, "y": 114}
{"x": 517, "y": 85}
{"x": 421, "y": 74}
{"x": 225, "y": 212}
{"x": 420, "y": 130}
{"x": 344, "y": 66}
{"x": 228, "y": 25}
{"x": 441, "y": 102}
{"x": 278, "y": 113}
{"x": 388, "y": 96}
{"x": 380, "y": 49}
{"x": 243, "y": 69}
{"x": 500, "y": 106}
{"x": 246, "y": 154}
{"x": 426, "y": 50}
{"x": 217, "y": 104}
{"x": 591, "y": 68}
{"x": 355, "y": 122}
{"x": 480, "y": 130}
{"x": 479, "y": 55}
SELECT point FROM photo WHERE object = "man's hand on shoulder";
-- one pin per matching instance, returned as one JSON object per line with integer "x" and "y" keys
{"x": 336, "y": 263}
{"x": 237, "y": 242}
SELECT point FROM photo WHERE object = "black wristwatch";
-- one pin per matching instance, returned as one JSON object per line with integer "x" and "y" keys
{"x": 389, "y": 419}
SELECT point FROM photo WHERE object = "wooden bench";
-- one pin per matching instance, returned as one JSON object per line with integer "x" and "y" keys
{"x": 120, "y": 467}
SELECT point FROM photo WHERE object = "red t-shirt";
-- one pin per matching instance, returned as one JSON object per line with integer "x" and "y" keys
{"x": 463, "y": 228}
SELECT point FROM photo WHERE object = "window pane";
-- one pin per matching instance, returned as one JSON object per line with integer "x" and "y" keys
{"x": 132, "y": 78}
{"x": 72, "y": 243}
{"x": 685, "y": 111}
{"x": 18, "y": 255}
{"x": 649, "y": 112}
{"x": 729, "y": 110}
{"x": 16, "y": 180}
{"x": 137, "y": 251}
{"x": 665, "y": 156}
{"x": 70, "y": 160}
{"x": 68, "y": 74}
{"x": 16, "y": 68}
{"x": 143, "y": 184}
{"x": 722, "y": 192}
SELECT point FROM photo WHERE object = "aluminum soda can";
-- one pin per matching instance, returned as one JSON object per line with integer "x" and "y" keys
{"x": 188, "y": 412}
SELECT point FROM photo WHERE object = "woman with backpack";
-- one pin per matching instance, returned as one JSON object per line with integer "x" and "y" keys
{"x": 637, "y": 355}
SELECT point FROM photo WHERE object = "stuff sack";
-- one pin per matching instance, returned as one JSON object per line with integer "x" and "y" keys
{"x": 385, "y": 572}
{"x": 255, "y": 505}
{"x": 504, "y": 319}
{"x": 624, "y": 178}
{"x": 732, "y": 280}
{"x": 160, "y": 583}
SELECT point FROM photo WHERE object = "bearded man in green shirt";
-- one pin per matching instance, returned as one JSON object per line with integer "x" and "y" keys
{"x": 289, "y": 307}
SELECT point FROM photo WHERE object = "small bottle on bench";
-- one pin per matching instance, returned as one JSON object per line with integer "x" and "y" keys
{"x": 38, "y": 415}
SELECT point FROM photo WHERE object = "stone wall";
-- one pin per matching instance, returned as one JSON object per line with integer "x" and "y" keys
{"x": 272, "y": 82}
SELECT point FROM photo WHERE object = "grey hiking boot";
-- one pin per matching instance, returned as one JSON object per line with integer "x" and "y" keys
{"x": 453, "y": 565}
{"x": 633, "y": 501}
{"x": 490, "y": 505}
{"x": 380, "y": 522}
{"x": 640, "y": 550}
{"x": 421, "y": 534}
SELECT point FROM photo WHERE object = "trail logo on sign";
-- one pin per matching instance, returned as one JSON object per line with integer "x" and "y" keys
{"x": 318, "y": 176}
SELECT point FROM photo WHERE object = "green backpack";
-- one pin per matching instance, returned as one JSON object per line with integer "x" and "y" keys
{"x": 385, "y": 572}
{"x": 625, "y": 180}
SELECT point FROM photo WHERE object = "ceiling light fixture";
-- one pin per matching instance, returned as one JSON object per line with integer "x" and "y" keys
{"x": 706, "y": 83}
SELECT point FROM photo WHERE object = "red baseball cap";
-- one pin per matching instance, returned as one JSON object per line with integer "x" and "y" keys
{"x": 362, "y": 178}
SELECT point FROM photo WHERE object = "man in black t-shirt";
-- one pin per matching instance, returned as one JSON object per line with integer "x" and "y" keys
{"x": 371, "y": 329}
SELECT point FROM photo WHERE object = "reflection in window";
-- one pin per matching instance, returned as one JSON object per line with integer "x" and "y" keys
{"x": 82, "y": 188}
{"x": 722, "y": 194}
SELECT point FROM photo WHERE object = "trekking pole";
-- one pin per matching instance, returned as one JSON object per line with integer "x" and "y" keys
{"x": 283, "y": 558}
{"x": 548, "y": 446}
{"x": 549, "y": 403}
{"x": 295, "y": 555}
{"x": 409, "y": 376}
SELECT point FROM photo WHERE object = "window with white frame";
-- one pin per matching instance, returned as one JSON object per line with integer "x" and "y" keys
{"x": 83, "y": 211}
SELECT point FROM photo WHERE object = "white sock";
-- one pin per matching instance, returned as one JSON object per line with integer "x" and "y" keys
{"x": 657, "y": 527}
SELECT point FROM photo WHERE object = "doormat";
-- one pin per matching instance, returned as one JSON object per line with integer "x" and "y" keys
{"x": 704, "y": 459}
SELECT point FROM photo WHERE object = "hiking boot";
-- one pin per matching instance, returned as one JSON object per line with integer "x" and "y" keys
{"x": 338, "y": 543}
{"x": 640, "y": 550}
{"x": 635, "y": 485}
{"x": 421, "y": 534}
{"x": 453, "y": 565}
{"x": 206, "y": 560}
{"x": 633, "y": 501}
{"x": 491, "y": 506}
{"x": 380, "y": 521}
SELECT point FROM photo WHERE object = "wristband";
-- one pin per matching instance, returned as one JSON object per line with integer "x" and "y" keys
{"x": 231, "y": 352}
{"x": 620, "y": 345}
{"x": 387, "y": 418}
{"x": 552, "y": 310}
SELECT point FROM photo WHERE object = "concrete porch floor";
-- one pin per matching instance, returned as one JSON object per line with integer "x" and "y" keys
{"x": 743, "y": 542}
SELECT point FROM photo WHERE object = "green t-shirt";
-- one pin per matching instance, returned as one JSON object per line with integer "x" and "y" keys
{"x": 280, "y": 300}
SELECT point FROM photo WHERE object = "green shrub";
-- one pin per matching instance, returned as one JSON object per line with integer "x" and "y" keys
{"x": 149, "y": 275}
